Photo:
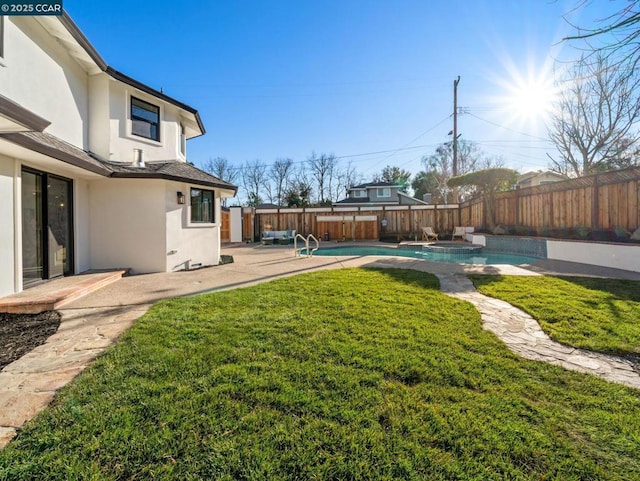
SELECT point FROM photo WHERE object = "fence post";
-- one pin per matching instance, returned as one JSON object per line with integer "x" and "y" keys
{"x": 595, "y": 207}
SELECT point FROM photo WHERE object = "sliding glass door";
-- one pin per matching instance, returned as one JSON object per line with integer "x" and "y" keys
{"x": 47, "y": 227}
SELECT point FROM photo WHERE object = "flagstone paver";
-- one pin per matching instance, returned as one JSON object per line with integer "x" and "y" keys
{"x": 523, "y": 335}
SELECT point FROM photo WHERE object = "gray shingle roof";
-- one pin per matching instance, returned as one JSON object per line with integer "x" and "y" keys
{"x": 56, "y": 148}
{"x": 52, "y": 146}
{"x": 170, "y": 170}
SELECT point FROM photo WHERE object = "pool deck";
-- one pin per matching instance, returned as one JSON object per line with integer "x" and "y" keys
{"x": 93, "y": 322}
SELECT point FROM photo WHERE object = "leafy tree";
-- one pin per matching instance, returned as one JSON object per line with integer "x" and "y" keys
{"x": 427, "y": 183}
{"x": 594, "y": 123}
{"x": 298, "y": 195}
{"x": 394, "y": 175}
{"x": 488, "y": 182}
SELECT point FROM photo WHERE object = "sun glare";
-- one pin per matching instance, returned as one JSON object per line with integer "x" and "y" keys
{"x": 531, "y": 99}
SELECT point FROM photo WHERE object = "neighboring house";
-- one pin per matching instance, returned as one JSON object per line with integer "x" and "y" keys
{"x": 377, "y": 193}
{"x": 93, "y": 164}
{"x": 531, "y": 179}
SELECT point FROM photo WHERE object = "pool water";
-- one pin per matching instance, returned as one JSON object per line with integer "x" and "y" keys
{"x": 487, "y": 258}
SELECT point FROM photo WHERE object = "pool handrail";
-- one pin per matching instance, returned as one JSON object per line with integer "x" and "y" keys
{"x": 308, "y": 252}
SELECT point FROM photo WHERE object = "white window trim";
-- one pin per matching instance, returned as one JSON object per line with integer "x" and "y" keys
{"x": 381, "y": 195}
{"x": 359, "y": 193}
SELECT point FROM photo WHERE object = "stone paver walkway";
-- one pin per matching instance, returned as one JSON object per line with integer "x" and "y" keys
{"x": 523, "y": 335}
{"x": 28, "y": 385}
{"x": 92, "y": 323}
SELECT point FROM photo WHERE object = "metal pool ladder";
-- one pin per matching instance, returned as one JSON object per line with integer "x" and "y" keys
{"x": 308, "y": 252}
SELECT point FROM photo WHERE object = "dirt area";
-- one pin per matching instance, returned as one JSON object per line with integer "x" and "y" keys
{"x": 20, "y": 333}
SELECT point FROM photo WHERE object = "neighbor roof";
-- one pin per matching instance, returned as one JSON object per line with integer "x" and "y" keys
{"x": 375, "y": 184}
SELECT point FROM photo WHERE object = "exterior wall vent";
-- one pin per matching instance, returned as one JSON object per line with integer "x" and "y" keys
{"x": 138, "y": 158}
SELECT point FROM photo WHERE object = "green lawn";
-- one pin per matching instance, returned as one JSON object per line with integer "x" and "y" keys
{"x": 596, "y": 314}
{"x": 354, "y": 374}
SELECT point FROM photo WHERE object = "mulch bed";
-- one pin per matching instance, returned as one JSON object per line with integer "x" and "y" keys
{"x": 20, "y": 333}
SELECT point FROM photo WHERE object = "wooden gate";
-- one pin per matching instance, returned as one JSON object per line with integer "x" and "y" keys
{"x": 347, "y": 227}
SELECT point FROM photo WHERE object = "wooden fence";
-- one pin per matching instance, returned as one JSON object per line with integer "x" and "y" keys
{"x": 225, "y": 226}
{"x": 608, "y": 200}
{"x": 353, "y": 223}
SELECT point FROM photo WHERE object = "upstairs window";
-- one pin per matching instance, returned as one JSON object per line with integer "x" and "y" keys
{"x": 359, "y": 194}
{"x": 384, "y": 192}
{"x": 202, "y": 205}
{"x": 145, "y": 119}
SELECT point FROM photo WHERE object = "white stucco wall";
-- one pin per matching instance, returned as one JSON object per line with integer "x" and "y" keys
{"x": 127, "y": 226}
{"x": 7, "y": 230}
{"x": 39, "y": 74}
{"x": 81, "y": 223}
{"x": 122, "y": 142}
{"x": 189, "y": 244}
{"x": 617, "y": 256}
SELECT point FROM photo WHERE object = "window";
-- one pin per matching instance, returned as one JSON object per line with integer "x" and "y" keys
{"x": 359, "y": 193}
{"x": 384, "y": 192}
{"x": 183, "y": 140}
{"x": 145, "y": 119}
{"x": 202, "y": 205}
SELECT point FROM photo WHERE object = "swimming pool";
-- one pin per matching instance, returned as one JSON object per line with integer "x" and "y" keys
{"x": 487, "y": 258}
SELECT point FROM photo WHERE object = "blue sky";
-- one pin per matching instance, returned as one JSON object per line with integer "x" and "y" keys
{"x": 284, "y": 78}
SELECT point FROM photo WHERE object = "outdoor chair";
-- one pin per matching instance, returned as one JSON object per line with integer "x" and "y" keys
{"x": 428, "y": 234}
{"x": 458, "y": 232}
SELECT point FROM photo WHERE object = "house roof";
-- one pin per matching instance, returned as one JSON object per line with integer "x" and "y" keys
{"x": 52, "y": 146}
{"x": 375, "y": 184}
{"x": 169, "y": 170}
{"x": 351, "y": 200}
{"x": 72, "y": 38}
{"x": 530, "y": 175}
{"x": 56, "y": 148}
{"x": 17, "y": 118}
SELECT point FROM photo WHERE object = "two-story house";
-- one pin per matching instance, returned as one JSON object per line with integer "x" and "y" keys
{"x": 377, "y": 193}
{"x": 93, "y": 164}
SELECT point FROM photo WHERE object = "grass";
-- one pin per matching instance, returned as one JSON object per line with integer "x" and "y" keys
{"x": 356, "y": 374}
{"x": 597, "y": 314}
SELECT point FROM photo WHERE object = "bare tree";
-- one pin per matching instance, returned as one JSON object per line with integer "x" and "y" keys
{"x": 322, "y": 169}
{"x": 593, "y": 123}
{"x": 280, "y": 174}
{"x": 223, "y": 170}
{"x": 345, "y": 178}
{"x": 254, "y": 176}
{"x": 615, "y": 37}
{"x": 439, "y": 167}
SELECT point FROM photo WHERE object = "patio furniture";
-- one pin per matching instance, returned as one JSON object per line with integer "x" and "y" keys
{"x": 428, "y": 234}
{"x": 458, "y": 232}
{"x": 281, "y": 237}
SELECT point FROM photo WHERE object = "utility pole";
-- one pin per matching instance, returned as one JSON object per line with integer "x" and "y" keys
{"x": 455, "y": 126}
{"x": 455, "y": 135}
